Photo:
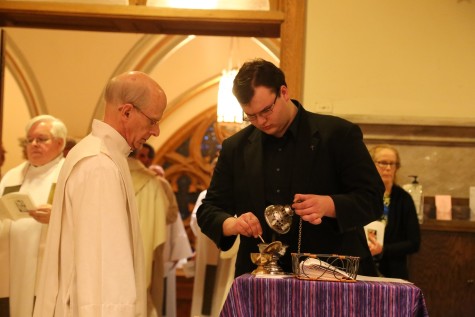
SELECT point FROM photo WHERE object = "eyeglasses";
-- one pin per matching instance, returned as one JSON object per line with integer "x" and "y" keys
{"x": 153, "y": 122}
{"x": 265, "y": 113}
{"x": 39, "y": 140}
{"x": 386, "y": 164}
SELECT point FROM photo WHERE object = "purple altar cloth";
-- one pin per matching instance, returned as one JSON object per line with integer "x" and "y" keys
{"x": 250, "y": 296}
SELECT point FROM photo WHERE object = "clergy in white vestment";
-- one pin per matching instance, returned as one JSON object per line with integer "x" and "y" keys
{"x": 22, "y": 240}
{"x": 177, "y": 245}
{"x": 152, "y": 206}
{"x": 94, "y": 260}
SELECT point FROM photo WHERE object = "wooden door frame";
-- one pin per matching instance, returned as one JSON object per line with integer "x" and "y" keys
{"x": 285, "y": 19}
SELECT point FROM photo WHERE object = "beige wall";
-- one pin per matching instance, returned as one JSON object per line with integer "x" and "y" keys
{"x": 391, "y": 58}
{"x": 409, "y": 65}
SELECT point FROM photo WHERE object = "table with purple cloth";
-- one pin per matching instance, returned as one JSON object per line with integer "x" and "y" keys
{"x": 251, "y": 296}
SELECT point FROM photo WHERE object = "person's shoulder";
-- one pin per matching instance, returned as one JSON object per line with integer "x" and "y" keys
{"x": 163, "y": 182}
{"x": 243, "y": 136}
{"x": 244, "y": 133}
{"x": 98, "y": 163}
{"x": 327, "y": 119}
{"x": 143, "y": 172}
{"x": 400, "y": 193}
{"x": 14, "y": 172}
{"x": 330, "y": 126}
{"x": 17, "y": 169}
{"x": 88, "y": 146}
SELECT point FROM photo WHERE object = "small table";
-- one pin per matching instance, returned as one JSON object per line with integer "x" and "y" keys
{"x": 251, "y": 296}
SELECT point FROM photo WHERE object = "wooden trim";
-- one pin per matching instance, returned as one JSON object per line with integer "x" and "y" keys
{"x": 140, "y": 19}
{"x": 452, "y": 225}
{"x": 416, "y": 134}
{"x": 2, "y": 87}
{"x": 292, "y": 50}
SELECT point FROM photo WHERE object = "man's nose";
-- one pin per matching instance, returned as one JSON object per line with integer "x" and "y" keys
{"x": 155, "y": 131}
{"x": 260, "y": 119}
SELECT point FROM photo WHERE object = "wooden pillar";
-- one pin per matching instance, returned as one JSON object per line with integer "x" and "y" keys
{"x": 292, "y": 51}
{"x": 2, "y": 87}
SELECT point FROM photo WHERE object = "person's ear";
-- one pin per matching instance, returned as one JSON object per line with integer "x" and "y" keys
{"x": 125, "y": 109}
{"x": 284, "y": 92}
{"x": 60, "y": 142}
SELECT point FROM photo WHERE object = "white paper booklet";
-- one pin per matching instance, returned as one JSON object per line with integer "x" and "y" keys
{"x": 365, "y": 278}
{"x": 375, "y": 228}
{"x": 15, "y": 206}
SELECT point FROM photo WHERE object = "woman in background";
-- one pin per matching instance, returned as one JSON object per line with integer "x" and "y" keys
{"x": 402, "y": 233}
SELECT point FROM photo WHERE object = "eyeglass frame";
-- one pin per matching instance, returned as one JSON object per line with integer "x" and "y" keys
{"x": 152, "y": 122}
{"x": 264, "y": 113}
{"x": 386, "y": 164}
{"x": 39, "y": 140}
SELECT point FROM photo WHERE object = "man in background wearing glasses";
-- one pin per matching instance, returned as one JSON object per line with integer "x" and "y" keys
{"x": 22, "y": 240}
{"x": 316, "y": 163}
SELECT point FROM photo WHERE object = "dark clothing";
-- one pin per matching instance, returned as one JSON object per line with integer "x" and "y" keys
{"x": 4, "y": 307}
{"x": 279, "y": 157}
{"x": 401, "y": 236}
{"x": 329, "y": 158}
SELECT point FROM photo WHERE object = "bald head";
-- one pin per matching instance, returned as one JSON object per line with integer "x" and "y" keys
{"x": 135, "y": 103}
{"x": 134, "y": 87}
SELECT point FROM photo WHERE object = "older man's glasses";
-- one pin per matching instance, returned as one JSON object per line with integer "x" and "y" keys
{"x": 38, "y": 140}
{"x": 264, "y": 113}
{"x": 386, "y": 164}
{"x": 153, "y": 122}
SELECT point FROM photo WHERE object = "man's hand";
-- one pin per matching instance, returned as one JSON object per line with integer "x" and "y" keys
{"x": 246, "y": 224}
{"x": 313, "y": 207}
{"x": 42, "y": 214}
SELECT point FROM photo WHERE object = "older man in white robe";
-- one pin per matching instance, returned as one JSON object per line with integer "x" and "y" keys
{"x": 22, "y": 240}
{"x": 94, "y": 261}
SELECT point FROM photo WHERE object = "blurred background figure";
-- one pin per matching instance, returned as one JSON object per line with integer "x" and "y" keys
{"x": 22, "y": 143}
{"x": 21, "y": 241}
{"x": 193, "y": 222}
{"x": 402, "y": 233}
{"x": 177, "y": 246}
{"x": 214, "y": 270}
{"x": 70, "y": 143}
{"x": 152, "y": 204}
{"x": 145, "y": 155}
{"x": 157, "y": 170}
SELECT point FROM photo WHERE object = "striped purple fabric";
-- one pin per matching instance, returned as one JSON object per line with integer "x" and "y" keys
{"x": 250, "y": 296}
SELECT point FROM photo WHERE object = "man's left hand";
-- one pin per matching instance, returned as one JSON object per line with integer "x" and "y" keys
{"x": 313, "y": 207}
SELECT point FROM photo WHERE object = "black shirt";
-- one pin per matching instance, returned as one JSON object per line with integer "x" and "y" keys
{"x": 278, "y": 163}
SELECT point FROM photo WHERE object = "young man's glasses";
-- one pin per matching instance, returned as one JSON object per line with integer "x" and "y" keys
{"x": 264, "y": 113}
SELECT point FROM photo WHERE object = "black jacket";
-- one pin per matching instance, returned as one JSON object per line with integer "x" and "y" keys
{"x": 332, "y": 160}
{"x": 401, "y": 236}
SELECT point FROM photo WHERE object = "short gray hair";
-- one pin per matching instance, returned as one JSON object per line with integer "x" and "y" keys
{"x": 58, "y": 128}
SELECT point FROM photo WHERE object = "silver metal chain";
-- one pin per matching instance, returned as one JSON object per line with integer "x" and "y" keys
{"x": 300, "y": 235}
